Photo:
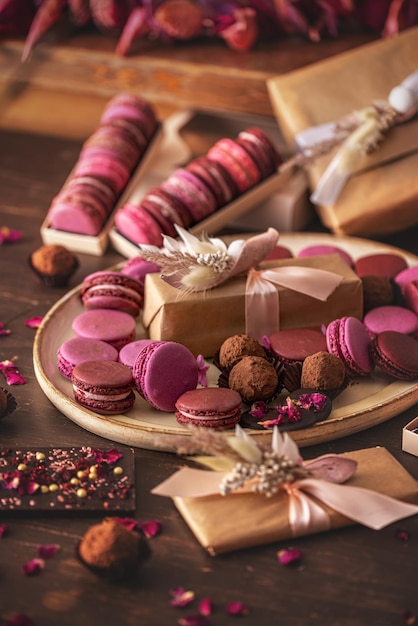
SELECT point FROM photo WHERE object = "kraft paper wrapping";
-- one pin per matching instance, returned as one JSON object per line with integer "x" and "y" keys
{"x": 227, "y": 523}
{"x": 382, "y": 197}
{"x": 202, "y": 321}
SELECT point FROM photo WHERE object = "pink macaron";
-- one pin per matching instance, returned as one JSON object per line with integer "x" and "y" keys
{"x": 163, "y": 371}
{"x": 138, "y": 225}
{"x": 218, "y": 408}
{"x": 380, "y": 264}
{"x": 115, "y": 327}
{"x": 79, "y": 349}
{"x": 348, "y": 339}
{"x": 103, "y": 387}
{"x": 396, "y": 354}
{"x": 320, "y": 249}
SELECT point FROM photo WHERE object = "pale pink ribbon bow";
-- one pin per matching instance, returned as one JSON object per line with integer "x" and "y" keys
{"x": 262, "y": 298}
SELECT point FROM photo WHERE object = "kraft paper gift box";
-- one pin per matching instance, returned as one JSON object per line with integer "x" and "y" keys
{"x": 202, "y": 321}
{"x": 382, "y": 195}
{"x": 242, "y": 520}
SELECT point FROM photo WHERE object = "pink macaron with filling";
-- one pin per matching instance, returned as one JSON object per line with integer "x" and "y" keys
{"x": 348, "y": 339}
{"x": 212, "y": 407}
{"x": 163, "y": 371}
{"x": 103, "y": 387}
{"x": 391, "y": 317}
{"x": 79, "y": 349}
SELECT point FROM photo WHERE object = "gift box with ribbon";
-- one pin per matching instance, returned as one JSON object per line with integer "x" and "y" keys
{"x": 256, "y": 297}
{"x": 368, "y": 487}
{"x": 365, "y": 103}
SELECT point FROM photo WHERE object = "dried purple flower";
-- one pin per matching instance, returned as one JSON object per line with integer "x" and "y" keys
{"x": 4, "y": 529}
{"x": 259, "y": 409}
{"x": 150, "y": 528}
{"x": 312, "y": 401}
{"x": 202, "y": 368}
{"x": 206, "y": 606}
{"x": 4, "y": 331}
{"x": 289, "y": 556}
{"x": 290, "y": 411}
{"x": 110, "y": 456}
{"x": 35, "y": 566}
{"x": 237, "y": 608}
{"x": 401, "y": 534}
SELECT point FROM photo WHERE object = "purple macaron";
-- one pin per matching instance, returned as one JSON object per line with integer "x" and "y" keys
{"x": 115, "y": 327}
{"x": 79, "y": 349}
{"x": 112, "y": 290}
{"x": 163, "y": 371}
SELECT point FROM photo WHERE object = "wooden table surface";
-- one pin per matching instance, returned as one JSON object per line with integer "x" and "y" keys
{"x": 348, "y": 577}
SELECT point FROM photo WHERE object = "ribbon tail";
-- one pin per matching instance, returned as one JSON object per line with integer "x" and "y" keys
{"x": 261, "y": 307}
{"x": 305, "y": 515}
{"x": 364, "y": 506}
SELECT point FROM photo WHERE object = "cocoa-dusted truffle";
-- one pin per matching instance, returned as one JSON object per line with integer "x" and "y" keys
{"x": 236, "y": 347}
{"x": 112, "y": 550}
{"x": 323, "y": 371}
{"x": 53, "y": 264}
{"x": 254, "y": 378}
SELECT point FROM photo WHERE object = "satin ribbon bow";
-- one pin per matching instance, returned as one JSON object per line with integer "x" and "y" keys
{"x": 262, "y": 298}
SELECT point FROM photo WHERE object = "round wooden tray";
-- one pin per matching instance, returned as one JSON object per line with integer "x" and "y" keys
{"x": 365, "y": 403}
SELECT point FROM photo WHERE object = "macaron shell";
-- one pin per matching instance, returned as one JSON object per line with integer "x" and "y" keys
{"x": 396, "y": 354}
{"x": 320, "y": 249}
{"x": 295, "y": 344}
{"x": 115, "y": 327}
{"x": 163, "y": 371}
{"x": 381, "y": 264}
{"x": 77, "y": 350}
{"x": 211, "y": 407}
{"x": 354, "y": 342}
{"x": 396, "y": 318}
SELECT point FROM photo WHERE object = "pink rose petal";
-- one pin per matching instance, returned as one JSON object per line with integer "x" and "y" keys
{"x": 35, "y": 566}
{"x": 34, "y": 322}
{"x": 128, "y": 522}
{"x": 11, "y": 373}
{"x": 3, "y": 330}
{"x": 4, "y": 529}
{"x": 289, "y": 556}
{"x": 9, "y": 236}
{"x": 110, "y": 456}
{"x": 181, "y": 597}
{"x": 47, "y": 551}
{"x": 150, "y": 528}
{"x": 401, "y": 534}
{"x": 237, "y": 608}
{"x": 206, "y": 606}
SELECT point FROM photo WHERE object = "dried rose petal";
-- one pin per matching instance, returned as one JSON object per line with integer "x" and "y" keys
{"x": 259, "y": 409}
{"x": 4, "y": 331}
{"x": 34, "y": 322}
{"x": 195, "y": 619}
{"x": 181, "y": 597}
{"x": 4, "y": 529}
{"x": 313, "y": 401}
{"x": 242, "y": 34}
{"x": 33, "y": 567}
{"x": 48, "y": 551}
{"x": 401, "y": 534}
{"x": 110, "y": 456}
{"x": 202, "y": 368}
{"x": 206, "y": 606}
{"x": 9, "y": 236}
{"x": 11, "y": 373}
{"x": 237, "y": 608}
{"x": 128, "y": 522}
{"x": 150, "y": 528}
{"x": 20, "y": 620}
{"x": 289, "y": 556}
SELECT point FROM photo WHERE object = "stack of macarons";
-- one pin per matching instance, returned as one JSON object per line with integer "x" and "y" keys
{"x": 191, "y": 193}
{"x": 104, "y": 166}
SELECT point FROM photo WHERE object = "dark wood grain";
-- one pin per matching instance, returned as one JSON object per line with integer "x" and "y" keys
{"x": 348, "y": 577}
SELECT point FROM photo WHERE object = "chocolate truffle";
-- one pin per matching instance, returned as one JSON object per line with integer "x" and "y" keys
{"x": 112, "y": 550}
{"x": 323, "y": 371}
{"x": 254, "y": 378}
{"x": 236, "y": 347}
{"x": 377, "y": 291}
{"x": 53, "y": 264}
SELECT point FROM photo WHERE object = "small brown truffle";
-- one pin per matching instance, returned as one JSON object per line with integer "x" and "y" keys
{"x": 53, "y": 264}
{"x": 254, "y": 378}
{"x": 112, "y": 550}
{"x": 236, "y": 347}
{"x": 323, "y": 372}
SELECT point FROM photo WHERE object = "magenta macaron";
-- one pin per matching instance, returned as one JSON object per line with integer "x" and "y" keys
{"x": 112, "y": 290}
{"x": 211, "y": 407}
{"x": 348, "y": 339}
{"x": 163, "y": 371}
{"x": 103, "y": 387}
{"x": 115, "y": 327}
{"x": 391, "y": 317}
{"x": 79, "y": 349}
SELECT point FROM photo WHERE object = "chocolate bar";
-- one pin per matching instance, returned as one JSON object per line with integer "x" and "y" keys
{"x": 69, "y": 479}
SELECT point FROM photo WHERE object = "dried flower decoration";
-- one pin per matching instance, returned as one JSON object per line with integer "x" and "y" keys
{"x": 4, "y": 331}
{"x": 181, "y": 597}
{"x": 9, "y": 236}
{"x": 33, "y": 567}
{"x": 11, "y": 373}
{"x": 34, "y": 322}
{"x": 289, "y": 556}
{"x": 192, "y": 264}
